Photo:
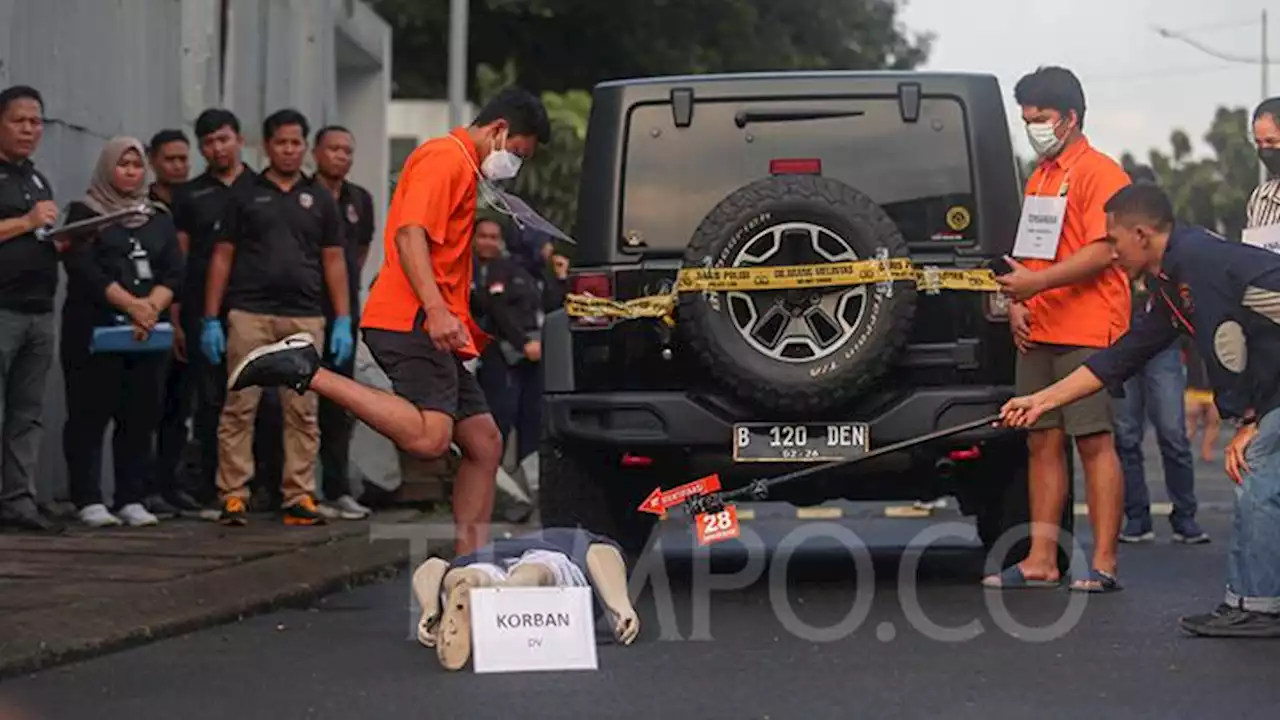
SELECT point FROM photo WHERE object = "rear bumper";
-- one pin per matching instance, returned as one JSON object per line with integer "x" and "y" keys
{"x": 677, "y": 419}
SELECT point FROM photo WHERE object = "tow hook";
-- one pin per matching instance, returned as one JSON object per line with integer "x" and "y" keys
{"x": 945, "y": 468}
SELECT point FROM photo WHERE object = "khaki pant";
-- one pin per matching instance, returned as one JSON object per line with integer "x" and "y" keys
{"x": 245, "y": 333}
{"x": 1044, "y": 365}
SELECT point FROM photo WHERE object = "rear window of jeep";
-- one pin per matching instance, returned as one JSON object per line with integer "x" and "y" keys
{"x": 919, "y": 172}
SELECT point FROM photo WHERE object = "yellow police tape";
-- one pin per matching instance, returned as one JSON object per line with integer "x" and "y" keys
{"x": 928, "y": 279}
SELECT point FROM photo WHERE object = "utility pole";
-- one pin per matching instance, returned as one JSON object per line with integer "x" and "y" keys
{"x": 458, "y": 10}
{"x": 1263, "y": 61}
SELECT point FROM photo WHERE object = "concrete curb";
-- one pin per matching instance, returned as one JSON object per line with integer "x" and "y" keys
{"x": 68, "y": 633}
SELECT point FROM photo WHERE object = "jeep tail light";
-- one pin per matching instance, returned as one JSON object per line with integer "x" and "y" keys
{"x": 635, "y": 461}
{"x": 795, "y": 166}
{"x": 996, "y": 306}
{"x": 593, "y": 284}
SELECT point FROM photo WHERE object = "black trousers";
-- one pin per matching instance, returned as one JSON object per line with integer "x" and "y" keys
{"x": 336, "y": 425}
{"x": 126, "y": 388}
{"x": 514, "y": 395}
{"x": 171, "y": 435}
{"x": 268, "y": 447}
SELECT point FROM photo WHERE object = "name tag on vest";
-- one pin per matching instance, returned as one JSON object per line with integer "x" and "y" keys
{"x": 532, "y": 629}
{"x": 1267, "y": 238}
{"x": 1040, "y": 228}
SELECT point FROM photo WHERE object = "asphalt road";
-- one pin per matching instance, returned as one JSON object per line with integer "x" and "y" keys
{"x": 747, "y": 650}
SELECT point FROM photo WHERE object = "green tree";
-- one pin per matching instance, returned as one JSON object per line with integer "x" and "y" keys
{"x": 562, "y": 48}
{"x": 562, "y": 45}
{"x": 1210, "y": 191}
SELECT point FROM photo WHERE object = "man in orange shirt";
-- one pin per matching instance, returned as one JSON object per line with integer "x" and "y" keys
{"x": 417, "y": 320}
{"x": 1069, "y": 302}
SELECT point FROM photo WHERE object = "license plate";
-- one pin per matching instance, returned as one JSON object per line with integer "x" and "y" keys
{"x": 803, "y": 442}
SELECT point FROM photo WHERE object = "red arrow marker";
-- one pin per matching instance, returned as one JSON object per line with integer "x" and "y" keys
{"x": 659, "y": 501}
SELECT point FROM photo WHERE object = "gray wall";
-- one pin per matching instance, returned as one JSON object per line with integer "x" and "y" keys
{"x": 108, "y": 67}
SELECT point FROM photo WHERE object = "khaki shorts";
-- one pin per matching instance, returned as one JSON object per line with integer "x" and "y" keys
{"x": 1044, "y": 365}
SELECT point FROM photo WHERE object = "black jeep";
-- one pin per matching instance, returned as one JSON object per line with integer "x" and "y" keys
{"x": 778, "y": 169}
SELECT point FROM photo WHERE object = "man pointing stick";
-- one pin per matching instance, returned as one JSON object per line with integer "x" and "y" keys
{"x": 1226, "y": 296}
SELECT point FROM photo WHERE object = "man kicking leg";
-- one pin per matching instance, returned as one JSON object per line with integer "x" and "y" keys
{"x": 417, "y": 319}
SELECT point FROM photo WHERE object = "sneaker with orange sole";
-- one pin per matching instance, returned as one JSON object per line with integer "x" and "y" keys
{"x": 304, "y": 512}
{"x": 233, "y": 512}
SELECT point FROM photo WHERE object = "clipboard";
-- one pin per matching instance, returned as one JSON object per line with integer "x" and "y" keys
{"x": 119, "y": 339}
{"x": 94, "y": 223}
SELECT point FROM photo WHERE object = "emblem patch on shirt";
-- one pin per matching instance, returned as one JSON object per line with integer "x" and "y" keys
{"x": 305, "y": 200}
{"x": 497, "y": 288}
{"x": 353, "y": 217}
{"x": 1184, "y": 297}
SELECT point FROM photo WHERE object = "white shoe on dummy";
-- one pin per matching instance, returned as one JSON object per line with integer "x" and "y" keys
{"x": 427, "y": 580}
{"x": 453, "y": 644}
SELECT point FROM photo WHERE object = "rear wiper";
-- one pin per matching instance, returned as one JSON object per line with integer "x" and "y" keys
{"x": 746, "y": 117}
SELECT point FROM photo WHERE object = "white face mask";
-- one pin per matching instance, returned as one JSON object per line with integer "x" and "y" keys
{"x": 1044, "y": 139}
{"x": 501, "y": 164}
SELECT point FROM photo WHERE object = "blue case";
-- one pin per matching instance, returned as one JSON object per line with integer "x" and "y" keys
{"x": 119, "y": 339}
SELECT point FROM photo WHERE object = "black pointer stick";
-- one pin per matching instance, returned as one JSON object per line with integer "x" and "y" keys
{"x": 759, "y": 489}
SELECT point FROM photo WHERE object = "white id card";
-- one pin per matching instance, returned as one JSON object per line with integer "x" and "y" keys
{"x": 1267, "y": 238}
{"x": 1040, "y": 227}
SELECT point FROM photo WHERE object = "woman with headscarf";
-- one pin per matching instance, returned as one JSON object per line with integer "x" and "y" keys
{"x": 122, "y": 275}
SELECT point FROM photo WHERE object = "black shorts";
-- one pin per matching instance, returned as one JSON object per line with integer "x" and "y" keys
{"x": 425, "y": 376}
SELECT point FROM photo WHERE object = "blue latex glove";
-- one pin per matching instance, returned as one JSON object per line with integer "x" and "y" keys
{"x": 342, "y": 344}
{"x": 213, "y": 342}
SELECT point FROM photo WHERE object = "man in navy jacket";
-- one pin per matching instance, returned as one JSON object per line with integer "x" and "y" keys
{"x": 1226, "y": 296}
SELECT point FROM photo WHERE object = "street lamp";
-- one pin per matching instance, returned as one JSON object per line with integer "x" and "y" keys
{"x": 1263, "y": 61}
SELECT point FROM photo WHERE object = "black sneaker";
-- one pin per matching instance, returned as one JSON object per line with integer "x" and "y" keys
{"x": 183, "y": 503}
{"x": 290, "y": 363}
{"x": 161, "y": 508}
{"x": 303, "y": 513}
{"x": 1232, "y": 622}
{"x": 233, "y": 513}
{"x": 29, "y": 520}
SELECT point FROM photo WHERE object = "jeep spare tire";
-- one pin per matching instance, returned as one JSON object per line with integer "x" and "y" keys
{"x": 800, "y": 351}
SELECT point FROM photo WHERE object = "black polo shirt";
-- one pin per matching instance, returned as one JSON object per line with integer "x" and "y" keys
{"x": 355, "y": 207}
{"x": 198, "y": 208}
{"x": 278, "y": 238}
{"x": 28, "y": 265}
{"x": 93, "y": 263}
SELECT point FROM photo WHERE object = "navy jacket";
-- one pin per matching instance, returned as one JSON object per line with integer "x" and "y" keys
{"x": 1226, "y": 296}
{"x": 505, "y": 300}
{"x": 572, "y": 542}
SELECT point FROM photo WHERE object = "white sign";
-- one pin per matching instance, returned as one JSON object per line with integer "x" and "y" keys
{"x": 532, "y": 629}
{"x": 1267, "y": 238}
{"x": 1040, "y": 227}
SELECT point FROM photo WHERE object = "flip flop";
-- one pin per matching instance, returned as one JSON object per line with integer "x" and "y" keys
{"x": 1106, "y": 583}
{"x": 1011, "y": 578}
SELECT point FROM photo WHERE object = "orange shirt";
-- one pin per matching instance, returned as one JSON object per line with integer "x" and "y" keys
{"x": 437, "y": 192}
{"x": 1094, "y": 313}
